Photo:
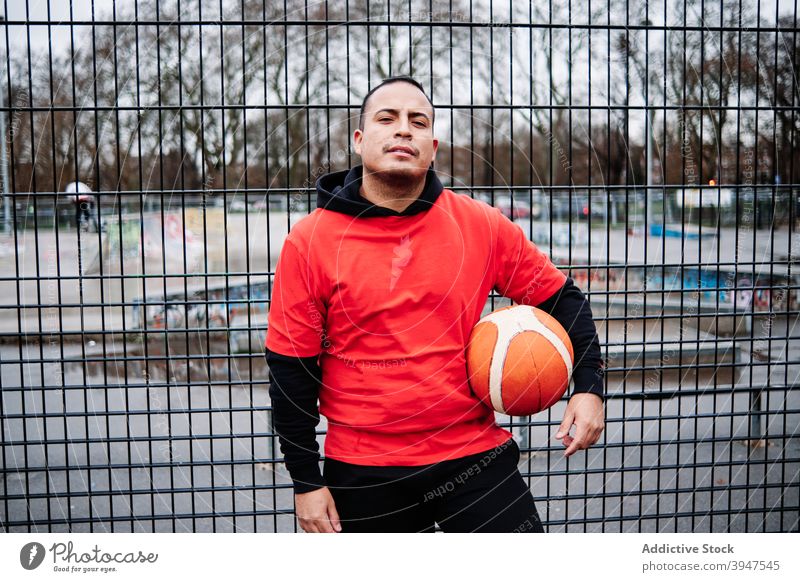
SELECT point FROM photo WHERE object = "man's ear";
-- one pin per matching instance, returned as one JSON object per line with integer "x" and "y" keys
{"x": 358, "y": 135}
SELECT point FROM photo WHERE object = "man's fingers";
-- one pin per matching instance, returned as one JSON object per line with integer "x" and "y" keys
{"x": 589, "y": 423}
{"x": 579, "y": 442}
{"x": 333, "y": 515}
{"x": 594, "y": 436}
{"x": 597, "y": 435}
{"x": 566, "y": 424}
{"x": 316, "y": 511}
{"x": 328, "y": 523}
{"x": 574, "y": 446}
{"x": 315, "y": 525}
{"x": 583, "y": 440}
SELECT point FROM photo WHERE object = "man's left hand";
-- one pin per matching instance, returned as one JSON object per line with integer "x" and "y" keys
{"x": 584, "y": 410}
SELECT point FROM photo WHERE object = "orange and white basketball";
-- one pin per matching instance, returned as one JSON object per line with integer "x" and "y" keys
{"x": 519, "y": 360}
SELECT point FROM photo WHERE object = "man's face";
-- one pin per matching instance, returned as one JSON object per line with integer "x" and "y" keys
{"x": 397, "y": 141}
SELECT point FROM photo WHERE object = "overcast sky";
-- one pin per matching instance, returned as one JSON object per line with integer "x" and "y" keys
{"x": 36, "y": 10}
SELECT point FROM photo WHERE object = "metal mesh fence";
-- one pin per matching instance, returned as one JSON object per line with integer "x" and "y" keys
{"x": 156, "y": 153}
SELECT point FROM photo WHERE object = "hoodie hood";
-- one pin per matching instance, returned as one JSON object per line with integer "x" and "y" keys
{"x": 339, "y": 192}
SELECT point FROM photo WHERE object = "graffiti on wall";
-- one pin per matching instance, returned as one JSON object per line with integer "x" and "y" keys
{"x": 744, "y": 291}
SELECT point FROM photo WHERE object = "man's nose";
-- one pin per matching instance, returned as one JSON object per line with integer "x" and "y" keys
{"x": 402, "y": 127}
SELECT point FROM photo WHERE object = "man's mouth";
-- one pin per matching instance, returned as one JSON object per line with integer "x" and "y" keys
{"x": 402, "y": 151}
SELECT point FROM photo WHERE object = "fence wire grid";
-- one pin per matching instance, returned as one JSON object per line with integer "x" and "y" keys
{"x": 156, "y": 153}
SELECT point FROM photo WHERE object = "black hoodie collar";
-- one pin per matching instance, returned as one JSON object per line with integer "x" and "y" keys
{"x": 339, "y": 191}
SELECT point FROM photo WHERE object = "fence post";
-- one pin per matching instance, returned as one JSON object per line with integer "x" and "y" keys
{"x": 7, "y": 212}
{"x": 755, "y": 414}
{"x": 271, "y": 430}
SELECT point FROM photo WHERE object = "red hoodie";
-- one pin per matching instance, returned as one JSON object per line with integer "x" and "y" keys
{"x": 388, "y": 303}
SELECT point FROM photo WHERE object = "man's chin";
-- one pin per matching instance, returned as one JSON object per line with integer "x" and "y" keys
{"x": 398, "y": 175}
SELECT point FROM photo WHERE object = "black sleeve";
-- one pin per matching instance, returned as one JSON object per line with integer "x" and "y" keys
{"x": 294, "y": 389}
{"x": 570, "y": 307}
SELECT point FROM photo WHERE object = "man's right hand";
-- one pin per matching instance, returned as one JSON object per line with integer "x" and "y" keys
{"x": 316, "y": 511}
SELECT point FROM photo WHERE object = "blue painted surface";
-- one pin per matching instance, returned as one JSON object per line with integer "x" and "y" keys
{"x": 676, "y": 231}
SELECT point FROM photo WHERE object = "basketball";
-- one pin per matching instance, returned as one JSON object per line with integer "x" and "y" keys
{"x": 519, "y": 360}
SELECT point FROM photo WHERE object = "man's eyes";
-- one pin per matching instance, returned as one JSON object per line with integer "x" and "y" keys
{"x": 417, "y": 123}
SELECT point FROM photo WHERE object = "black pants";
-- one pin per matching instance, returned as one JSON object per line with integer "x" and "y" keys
{"x": 483, "y": 492}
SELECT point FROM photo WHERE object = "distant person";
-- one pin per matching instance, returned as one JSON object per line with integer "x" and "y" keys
{"x": 84, "y": 205}
{"x": 375, "y": 295}
{"x": 85, "y": 211}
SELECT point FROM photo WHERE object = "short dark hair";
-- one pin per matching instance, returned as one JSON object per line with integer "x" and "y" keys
{"x": 387, "y": 81}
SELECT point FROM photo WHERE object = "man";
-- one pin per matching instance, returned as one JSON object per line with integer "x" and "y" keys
{"x": 84, "y": 204}
{"x": 375, "y": 295}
